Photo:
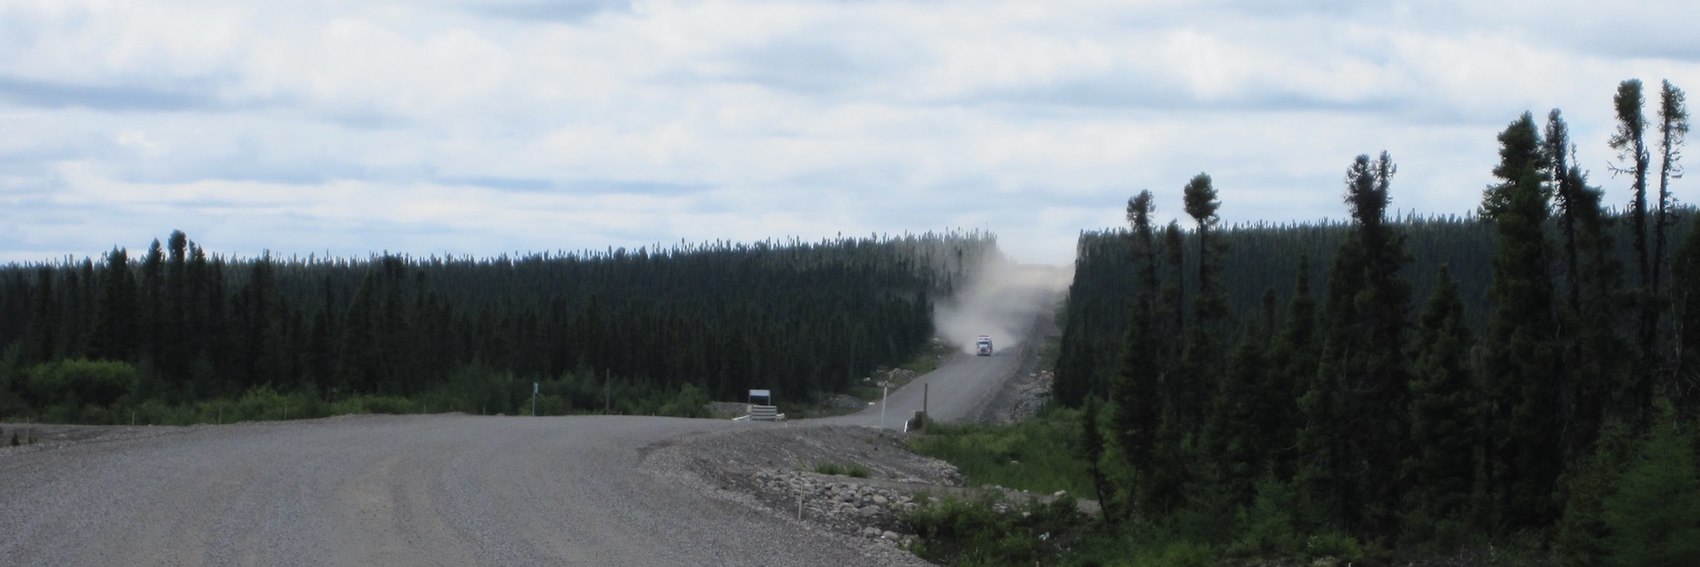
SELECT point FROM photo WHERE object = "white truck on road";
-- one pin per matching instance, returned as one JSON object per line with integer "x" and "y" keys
{"x": 983, "y": 346}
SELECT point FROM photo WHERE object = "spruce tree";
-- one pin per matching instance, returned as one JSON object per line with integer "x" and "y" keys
{"x": 1521, "y": 377}
{"x": 1630, "y": 142}
{"x": 44, "y": 327}
{"x": 1137, "y": 389}
{"x": 1092, "y": 451}
{"x": 1292, "y": 365}
{"x": 1673, "y": 131}
{"x": 1592, "y": 349}
{"x": 1654, "y": 516}
{"x": 1238, "y": 430}
{"x": 1564, "y": 188}
{"x": 173, "y": 335}
{"x": 115, "y": 318}
{"x": 1356, "y": 434}
{"x": 1201, "y": 364}
{"x": 1444, "y": 407}
{"x": 1595, "y": 351}
{"x": 1174, "y": 289}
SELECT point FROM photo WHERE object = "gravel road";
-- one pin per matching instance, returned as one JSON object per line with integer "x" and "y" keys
{"x": 958, "y": 391}
{"x": 393, "y": 490}
{"x": 966, "y": 387}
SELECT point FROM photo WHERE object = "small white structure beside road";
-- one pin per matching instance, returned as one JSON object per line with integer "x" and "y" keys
{"x": 761, "y": 408}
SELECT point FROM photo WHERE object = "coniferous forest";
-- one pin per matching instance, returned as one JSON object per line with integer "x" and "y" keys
{"x": 158, "y": 337}
{"x": 1526, "y": 377}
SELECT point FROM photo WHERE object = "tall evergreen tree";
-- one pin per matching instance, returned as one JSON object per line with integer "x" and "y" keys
{"x": 1564, "y": 189}
{"x": 1137, "y": 389}
{"x": 172, "y": 361}
{"x": 1673, "y": 131}
{"x": 44, "y": 326}
{"x": 1239, "y": 429}
{"x": 1356, "y": 434}
{"x": 1202, "y": 357}
{"x": 151, "y": 311}
{"x": 1445, "y": 405}
{"x": 1520, "y": 371}
{"x": 115, "y": 320}
{"x": 1292, "y": 364}
{"x": 1630, "y": 142}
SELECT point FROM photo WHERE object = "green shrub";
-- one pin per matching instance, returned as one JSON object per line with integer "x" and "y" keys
{"x": 1178, "y": 554}
{"x": 690, "y": 401}
{"x": 856, "y": 471}
{"x": 1334, "y": 545}
{"x": 1040, "y": 455}
{"x": 78, "y": 383}
{"x": 833, "y": 469}
{"x": 1267, "y": 527}
{"x": 1654, "y": 517}
{"x": 973, "y": 532}
{"x": 1583, "y": 535}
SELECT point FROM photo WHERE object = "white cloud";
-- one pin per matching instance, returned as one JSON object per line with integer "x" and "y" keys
{"x": 479, "y": 129}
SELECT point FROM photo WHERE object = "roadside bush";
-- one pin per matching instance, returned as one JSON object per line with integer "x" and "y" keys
{"x": 1041, "y": 455}
{"x": 1178, "y": 554}
{"x": 990, "y": 531}
{"x": 690, "y": 401}
{"x": 1654, "y": 517}
{"x": 1267, "y": 527}
{"x": 77, "y": 383}
{"x": 1337, "y": 546}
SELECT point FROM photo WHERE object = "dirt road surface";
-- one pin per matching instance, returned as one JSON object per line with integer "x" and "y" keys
{"x": 959, "y": 390}
{"x": 965, "y": 387}
{"x": 392, "y": 490}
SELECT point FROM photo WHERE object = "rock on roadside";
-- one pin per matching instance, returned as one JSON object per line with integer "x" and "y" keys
{"x": 773, "y": 467}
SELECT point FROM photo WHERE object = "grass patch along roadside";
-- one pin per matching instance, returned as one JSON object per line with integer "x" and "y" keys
{"x": 1038, "y": 455}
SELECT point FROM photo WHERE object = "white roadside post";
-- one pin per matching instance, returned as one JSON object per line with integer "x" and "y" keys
{"x": 535, "y": 388}
{"x": 885, "y": 394}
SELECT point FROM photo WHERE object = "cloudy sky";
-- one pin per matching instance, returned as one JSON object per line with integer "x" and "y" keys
{"x": 479, "y": 128}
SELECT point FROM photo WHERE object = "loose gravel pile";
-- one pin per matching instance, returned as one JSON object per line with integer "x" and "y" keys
{"x": 774, "y": 468}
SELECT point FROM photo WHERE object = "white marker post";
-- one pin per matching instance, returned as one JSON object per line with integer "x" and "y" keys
{"x": 535, "y": 388}
{"x": 885, "y": 393}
